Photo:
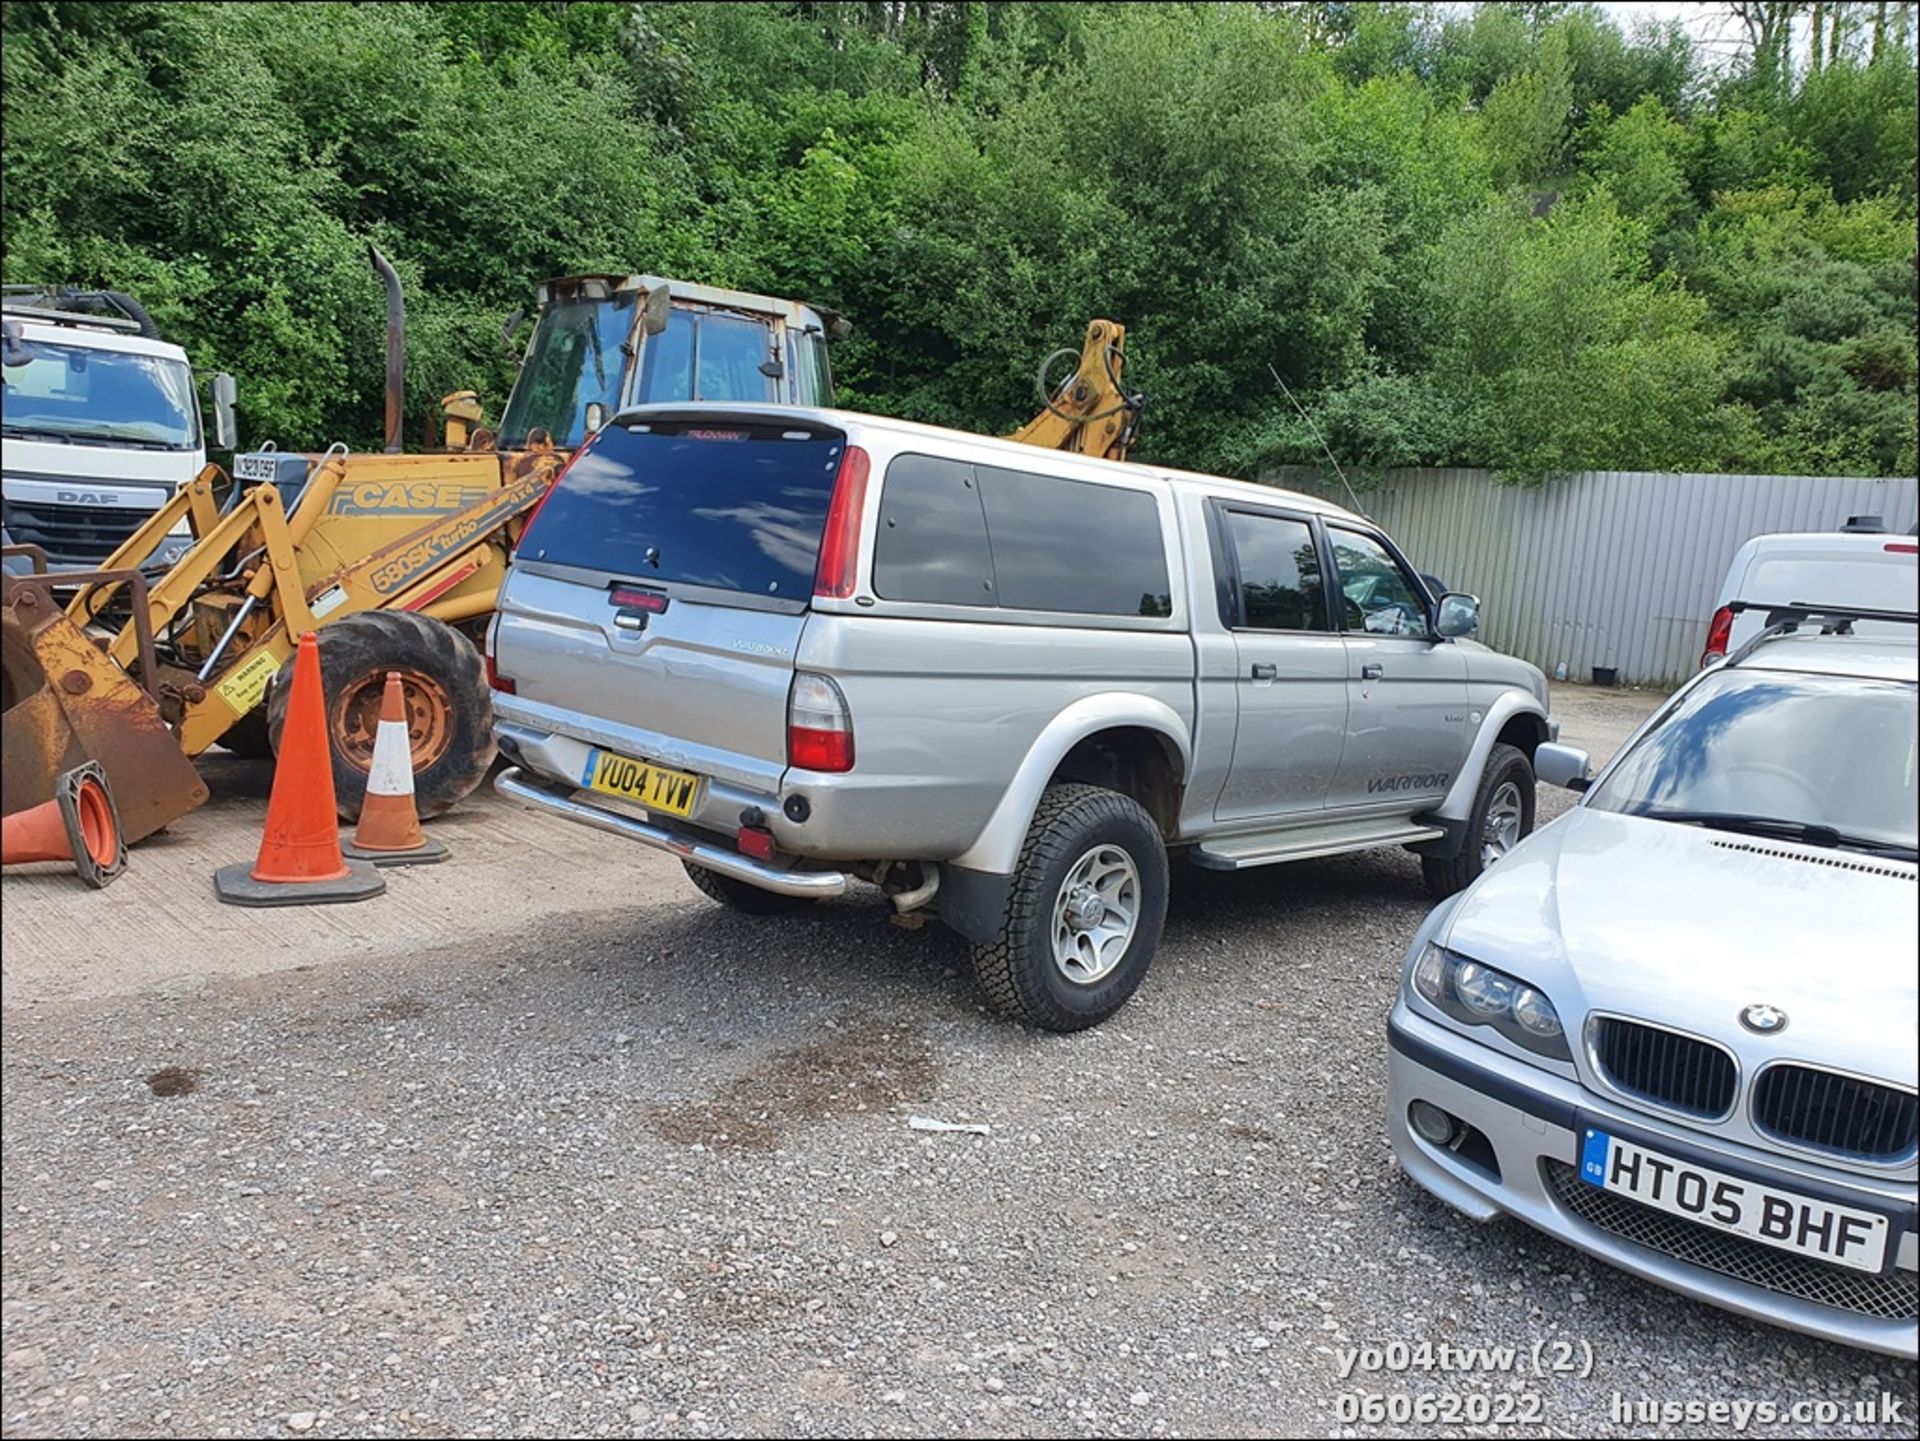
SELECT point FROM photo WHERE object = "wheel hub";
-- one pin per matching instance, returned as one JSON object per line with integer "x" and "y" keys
{"x": 355, "y": 717}
{"x": 1500, "y": 831}
{"x": 1085, "y": 909}
{"x": 1095, "y": 914}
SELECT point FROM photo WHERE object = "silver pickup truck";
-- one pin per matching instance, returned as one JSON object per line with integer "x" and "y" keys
{"x": 795, "y": 647}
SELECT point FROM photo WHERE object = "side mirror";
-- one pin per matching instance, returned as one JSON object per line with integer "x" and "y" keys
{"x": 1459, "y": 615}
{"x": 655, "y": 310}
{"x": 1563, "y": 766}
{"x": 507, "y": 327}
{"x": 16, "y": 351}
{"x": 226, "y": 431}
{"x": 596, "y": 417}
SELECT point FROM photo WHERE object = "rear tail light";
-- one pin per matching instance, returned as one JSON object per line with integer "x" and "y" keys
{"x": 819, "y": 726}
{"x": 1718, "y": 634}
{"x": 1903, "y": 547}
{"x": 496, "y": 681}
{"x": 840, "y": 543}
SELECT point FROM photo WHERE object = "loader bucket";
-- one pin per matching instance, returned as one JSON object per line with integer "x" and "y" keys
{"x": 64, "y": 702}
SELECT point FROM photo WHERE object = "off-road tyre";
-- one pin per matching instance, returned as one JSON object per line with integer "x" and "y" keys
{"x": 1448, "y": 875}
{"x": 1017, "y": 971}
{"x": 743, "y": 896}
{"x": 449, "y": 707}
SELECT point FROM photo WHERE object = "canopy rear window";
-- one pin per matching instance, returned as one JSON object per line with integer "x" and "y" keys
{"x": 731, "y": 506}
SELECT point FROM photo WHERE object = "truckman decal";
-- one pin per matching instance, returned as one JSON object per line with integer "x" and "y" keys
{"x": 1433, "y": 780}
{"x": 418, "y": 497}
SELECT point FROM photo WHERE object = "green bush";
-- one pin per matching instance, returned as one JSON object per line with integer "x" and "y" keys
{"x": 1511, "y": 236}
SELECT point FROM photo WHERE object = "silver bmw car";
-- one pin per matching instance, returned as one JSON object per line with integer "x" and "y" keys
{"x": 1676, "y": 1028}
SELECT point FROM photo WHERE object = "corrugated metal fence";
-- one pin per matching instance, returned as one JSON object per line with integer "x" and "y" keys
{"x": 1603, "y": 568}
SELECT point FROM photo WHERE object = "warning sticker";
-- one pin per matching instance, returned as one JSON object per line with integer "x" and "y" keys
{"x": 328, "y": 601}
{"x": 242, "y": 690}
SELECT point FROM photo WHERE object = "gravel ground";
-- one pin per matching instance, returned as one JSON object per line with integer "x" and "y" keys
{"x": 650, "y": 1172}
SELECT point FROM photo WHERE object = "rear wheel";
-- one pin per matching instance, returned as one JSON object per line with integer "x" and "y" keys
{"x": 1502, "y": 818}
{"x": 449, "y": 710}
{"x": 741, "y": 895}
{"x": 1084, "y": 918}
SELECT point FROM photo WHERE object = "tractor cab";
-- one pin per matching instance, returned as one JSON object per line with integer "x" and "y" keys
{"x": 604, "y": 342}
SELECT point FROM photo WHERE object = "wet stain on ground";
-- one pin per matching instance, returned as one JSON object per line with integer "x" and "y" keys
{"x": 174, "y": 1081}
{"x": 863, "y": 1067}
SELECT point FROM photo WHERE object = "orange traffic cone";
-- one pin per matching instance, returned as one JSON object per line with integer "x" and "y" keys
{"x": 80, "y": 824}
{"x": 300, "y": 862}
{"x": 389, "y": 833}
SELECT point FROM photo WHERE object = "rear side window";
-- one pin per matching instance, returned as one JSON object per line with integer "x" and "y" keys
{"x": 1066, "y": 545}
{"x": 1281, "y": 585}
{"x": 932, "y": 544}
{"x": 958, "y": 534}
{"x": 734, "y": 507}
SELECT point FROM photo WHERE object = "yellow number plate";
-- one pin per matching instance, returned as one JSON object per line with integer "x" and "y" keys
{"x": 655, "y": 787}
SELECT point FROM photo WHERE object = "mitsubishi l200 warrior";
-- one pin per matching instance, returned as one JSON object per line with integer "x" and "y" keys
{"x": 797, "y": 646}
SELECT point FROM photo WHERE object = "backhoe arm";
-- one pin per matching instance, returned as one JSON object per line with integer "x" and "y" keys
{"x": 1090, "y": 412}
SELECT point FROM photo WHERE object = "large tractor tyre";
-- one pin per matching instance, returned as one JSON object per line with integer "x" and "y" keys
{"x": 742, "y": 896}
{"x": 449, "y": 708}
{"x": 248, "y": 737}
{"x": 1084, "y": 917}
{"x": 1502, "y": 817}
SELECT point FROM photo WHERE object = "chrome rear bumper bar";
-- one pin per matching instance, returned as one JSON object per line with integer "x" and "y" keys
{"x": 515, "y": 784}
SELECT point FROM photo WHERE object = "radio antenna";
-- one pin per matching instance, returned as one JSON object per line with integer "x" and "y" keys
{"x": 1351, "y": 494}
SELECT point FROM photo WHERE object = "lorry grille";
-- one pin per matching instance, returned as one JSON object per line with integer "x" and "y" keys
{"x": 1836, "y": 1113}
{"x": 1892, "y": 1297}
{"x": 75, "y": 537}
{"x": 1664, "y": 1067}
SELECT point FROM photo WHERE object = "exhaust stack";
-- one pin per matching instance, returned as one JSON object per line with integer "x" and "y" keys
{"x": 396, "y": 347}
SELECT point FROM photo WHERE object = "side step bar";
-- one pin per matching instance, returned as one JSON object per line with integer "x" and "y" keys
{"x": 1265, "y": 848}
{"x": 515, "y": 784}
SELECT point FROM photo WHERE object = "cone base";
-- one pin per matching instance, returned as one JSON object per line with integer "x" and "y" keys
{"x": 428, "y": 852}
{"x": 236, "y": 886}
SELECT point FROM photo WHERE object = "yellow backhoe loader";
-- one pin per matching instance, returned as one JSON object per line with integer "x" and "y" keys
{"x": 395, "y": 560}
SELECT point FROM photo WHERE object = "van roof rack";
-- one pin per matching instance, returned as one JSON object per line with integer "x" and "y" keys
{"x": 61, "y": 305}
{"x": 48, "y": 316}
{"x": 1788, "y": 618}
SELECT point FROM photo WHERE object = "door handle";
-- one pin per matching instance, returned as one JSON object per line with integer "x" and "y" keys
{"x": 1372, "y": 670}
{"x": 1263, "y": 670}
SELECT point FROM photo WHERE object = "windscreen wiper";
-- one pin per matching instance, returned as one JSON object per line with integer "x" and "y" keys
{"x": 1807, "y": 832}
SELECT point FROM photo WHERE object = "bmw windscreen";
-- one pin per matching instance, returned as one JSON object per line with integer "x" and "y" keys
{"x": 1825, "y": 760}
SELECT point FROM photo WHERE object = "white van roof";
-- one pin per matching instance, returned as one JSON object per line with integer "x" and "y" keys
{"x": 1871, "y": 569}
{"x": 77, "y": 332}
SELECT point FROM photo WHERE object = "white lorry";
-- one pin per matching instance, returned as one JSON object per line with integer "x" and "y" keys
{"x": 99, "y": 424}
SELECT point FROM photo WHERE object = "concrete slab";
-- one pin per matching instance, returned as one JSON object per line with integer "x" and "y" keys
{"x": 159, "y": 926}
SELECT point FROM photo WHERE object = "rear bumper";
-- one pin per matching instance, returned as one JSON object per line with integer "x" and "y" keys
{"x": 516, "y": 784}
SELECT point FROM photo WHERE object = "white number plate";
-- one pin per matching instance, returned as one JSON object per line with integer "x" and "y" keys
{"x": 1782, "y": 1219}
{"x": 257, "y": 466}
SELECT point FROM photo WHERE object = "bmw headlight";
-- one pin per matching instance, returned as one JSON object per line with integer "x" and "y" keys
{"x": 1479, "y": 995}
